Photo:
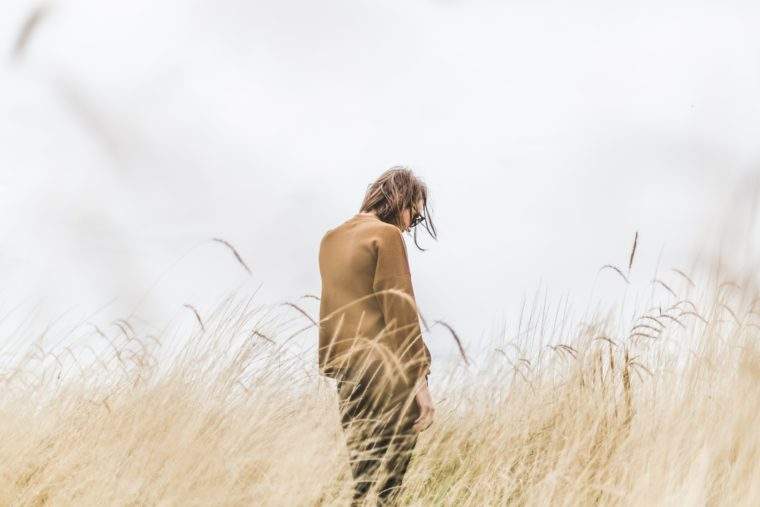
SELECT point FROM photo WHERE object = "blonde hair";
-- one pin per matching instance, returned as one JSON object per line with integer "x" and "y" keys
{"x": 395, "y": 190}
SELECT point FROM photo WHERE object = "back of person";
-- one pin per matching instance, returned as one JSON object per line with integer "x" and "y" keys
{"x": 347, "y": 257}
{"x": 358, "y": 260}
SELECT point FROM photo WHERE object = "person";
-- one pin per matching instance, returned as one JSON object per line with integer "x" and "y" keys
{"x": 370, "y": 339}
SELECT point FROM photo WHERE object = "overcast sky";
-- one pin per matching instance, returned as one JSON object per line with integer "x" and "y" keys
{"x": 548, "y": 133}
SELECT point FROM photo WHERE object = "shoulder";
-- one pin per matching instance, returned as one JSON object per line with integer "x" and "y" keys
{"x": 385, "y": 235}
{"x": 385, "y": 229}
{"x": 390, "y": 240}
{"x": 329, "y": 233}
{"x": 326, "y": 234}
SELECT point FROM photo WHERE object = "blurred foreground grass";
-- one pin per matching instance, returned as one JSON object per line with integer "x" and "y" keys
{"x": 659, "y": 409}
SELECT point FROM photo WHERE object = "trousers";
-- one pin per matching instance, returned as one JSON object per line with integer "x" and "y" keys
{"x": 379, "y": 438}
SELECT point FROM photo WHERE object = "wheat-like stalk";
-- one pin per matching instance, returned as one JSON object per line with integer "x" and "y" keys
{"x": 234, "y": 251}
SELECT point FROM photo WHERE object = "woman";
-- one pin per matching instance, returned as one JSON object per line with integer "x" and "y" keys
{"x": 370, "y": 339}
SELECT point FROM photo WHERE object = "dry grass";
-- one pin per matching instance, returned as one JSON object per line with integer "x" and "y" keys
{"x": 662, "y": 410}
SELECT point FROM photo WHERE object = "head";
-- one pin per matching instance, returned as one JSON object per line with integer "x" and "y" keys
{"x": 398, "y": 197}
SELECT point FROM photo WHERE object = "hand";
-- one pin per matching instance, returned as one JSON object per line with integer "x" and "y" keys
{"x": 425, "y": 402}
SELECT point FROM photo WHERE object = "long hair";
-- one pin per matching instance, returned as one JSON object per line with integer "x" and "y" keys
{"x": 395, "y": 190}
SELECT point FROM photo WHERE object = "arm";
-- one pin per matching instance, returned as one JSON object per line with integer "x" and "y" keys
{"x": 425, "y": 404}
{"x": 398, "y": 305}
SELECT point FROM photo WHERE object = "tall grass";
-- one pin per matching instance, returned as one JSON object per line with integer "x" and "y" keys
{"x": 660, "y": 409}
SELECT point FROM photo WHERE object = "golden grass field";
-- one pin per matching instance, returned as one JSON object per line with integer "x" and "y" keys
{"x": 657, "y": 408}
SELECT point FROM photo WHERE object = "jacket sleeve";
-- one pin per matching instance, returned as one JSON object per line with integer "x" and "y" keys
{"x": 398, "y": 306}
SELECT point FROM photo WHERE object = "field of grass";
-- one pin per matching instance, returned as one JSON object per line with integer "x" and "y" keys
{"x": 658, "y": 408}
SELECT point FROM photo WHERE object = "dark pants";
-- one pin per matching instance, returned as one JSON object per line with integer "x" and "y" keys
{"x": 379, "y": 437}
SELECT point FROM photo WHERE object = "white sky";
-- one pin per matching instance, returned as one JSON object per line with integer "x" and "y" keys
{"x": 548, "y": 132}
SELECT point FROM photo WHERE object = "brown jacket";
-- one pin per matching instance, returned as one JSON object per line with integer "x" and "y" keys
{"x": 360, "y": 324}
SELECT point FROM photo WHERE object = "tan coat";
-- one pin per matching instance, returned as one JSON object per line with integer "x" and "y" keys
{"x": 361, "y": 325}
